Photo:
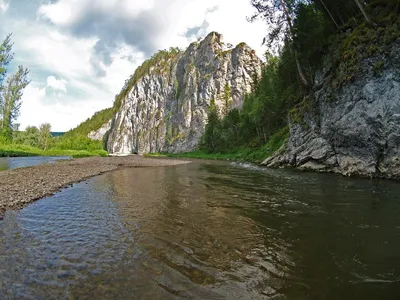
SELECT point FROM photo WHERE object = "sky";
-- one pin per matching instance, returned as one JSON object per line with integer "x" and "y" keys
{"x": 80, "y": 52}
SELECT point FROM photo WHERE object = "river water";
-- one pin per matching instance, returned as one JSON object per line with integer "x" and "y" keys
{"x": 206, "y": 230}
{"x": 7, "y": 163}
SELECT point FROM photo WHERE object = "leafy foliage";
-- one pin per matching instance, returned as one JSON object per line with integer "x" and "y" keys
{"x": 91, "y": 124}
{"x": 262, "y": 115}
{"x": 39, "y": 141}
{"x": 76, "y": 142}
{"x": 11, "y": 92}
{"x": 16, "y": 150}
{"x": 309, "y": 33}
{"x": 6, "y": 56}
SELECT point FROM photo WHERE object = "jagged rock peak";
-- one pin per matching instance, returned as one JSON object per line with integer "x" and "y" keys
{"x": 164, "y": 105}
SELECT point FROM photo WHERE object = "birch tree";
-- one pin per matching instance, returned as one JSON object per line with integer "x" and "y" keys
{"x": 11, "y": 99}
{"x": 11, "y": 92}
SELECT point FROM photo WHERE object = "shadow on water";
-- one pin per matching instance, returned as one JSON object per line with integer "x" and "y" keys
{"x": 207, "y": 230}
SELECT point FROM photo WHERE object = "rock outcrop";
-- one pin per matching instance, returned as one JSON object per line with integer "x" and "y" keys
{"x": 98, "y": 135}
{"x": 352, "y": 130}
{"x": 166, "y": 109}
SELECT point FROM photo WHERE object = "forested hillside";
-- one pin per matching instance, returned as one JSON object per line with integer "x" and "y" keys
{"x": 309, "y": 37}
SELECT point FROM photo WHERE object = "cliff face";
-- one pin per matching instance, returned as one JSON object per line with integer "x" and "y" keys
{"x": 166, "y": 109}
{"x": 352, "y": 130}
{"x": 99, "y": 134}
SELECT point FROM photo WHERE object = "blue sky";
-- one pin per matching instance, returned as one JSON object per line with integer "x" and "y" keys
{"x": 80, "y": 52}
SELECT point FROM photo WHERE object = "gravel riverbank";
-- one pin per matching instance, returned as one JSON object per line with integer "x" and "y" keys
{"x": 20, "y": 187}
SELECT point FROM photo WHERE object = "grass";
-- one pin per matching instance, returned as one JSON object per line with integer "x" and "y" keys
{"x": 244, "y": 154}
{"x": 16, "y": 150}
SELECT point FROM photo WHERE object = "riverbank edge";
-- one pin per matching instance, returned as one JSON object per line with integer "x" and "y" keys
{"x": 20, "y": 187}
{"x": 240, "y": 156}
{"x": 243, "y": 158}
{"x": 12, "y": 150}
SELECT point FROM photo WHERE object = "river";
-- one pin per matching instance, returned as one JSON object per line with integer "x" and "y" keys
{"x": 7, "y": 163}
{"x": 206, "y": 230}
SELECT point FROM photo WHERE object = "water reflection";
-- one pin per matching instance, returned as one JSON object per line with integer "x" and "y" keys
{"x": 206, "y": 230}
{"x": 7, "y": 163}
{"x": 183, "y": 233}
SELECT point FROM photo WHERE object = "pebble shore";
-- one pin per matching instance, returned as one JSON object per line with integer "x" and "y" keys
{"x": 20, "y": 187}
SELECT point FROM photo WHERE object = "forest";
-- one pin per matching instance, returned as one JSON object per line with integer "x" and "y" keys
{"x": 305, "y": 37}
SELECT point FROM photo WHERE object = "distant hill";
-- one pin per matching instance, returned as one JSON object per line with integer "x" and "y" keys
{"x": 54, "y": 134}
{"x": 93, "y": 123}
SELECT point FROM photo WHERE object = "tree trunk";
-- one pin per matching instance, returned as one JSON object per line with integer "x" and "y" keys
{"x": 363, "y": 12}
{"x": 300, "y": 68}
{"x": 329, "y": 13}
{"x": 303, "y": 78}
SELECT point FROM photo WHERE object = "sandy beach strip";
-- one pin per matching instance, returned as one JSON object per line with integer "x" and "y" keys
{"x": 20, "y": 187}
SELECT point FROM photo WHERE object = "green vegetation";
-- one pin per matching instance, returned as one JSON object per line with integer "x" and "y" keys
{"x": 10, "y": 92}
{"x": 39, "y": 142}
{"x": 254, "y": 155}
{"x": 77, "y": 138}
{"x": 92, "y": 124}
{"x": 366, "y": 41}
{"x": 17, "y": 150}
{"x": 177, "y": 89}
{"x": 314, "y": 34}
{"x": 223, "y": 53}
{"x": 226, "y": 99}
{"x": 336, "y": 35}
{"x": 33, "y": 141}
{"x": 159, "y": 63}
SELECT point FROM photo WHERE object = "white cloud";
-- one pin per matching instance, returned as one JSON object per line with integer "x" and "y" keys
{"x": 61, "y": 56}
{"x": 63, "y": 59}
{"x": 58, "y": 85}
{"x": 226, "y": 18}
{"x": 3, "y": 6}
{"x": 66, "y": 12}
{"x": 35, "y": 110}
{"x": 150, "y": 25}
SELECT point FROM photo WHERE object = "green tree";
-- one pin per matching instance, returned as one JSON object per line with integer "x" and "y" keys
{"x": 10, "y": 92}
{"x": 227, "y": 100}
{"x": 212, "y": 131}
{"x": 31, "y": 136}
{"x": 44, "y": 135}
{"x": 11, "y": 99}
{"x": 5, "y": 57}
{"x": 279, "y": 16}
{"x": 318, "y": 31}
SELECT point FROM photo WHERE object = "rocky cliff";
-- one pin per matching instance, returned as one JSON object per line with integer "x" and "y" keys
{"x": 166, "y": 107}
{"x": 98, "y": 135}
{"x": 353, "y": 129}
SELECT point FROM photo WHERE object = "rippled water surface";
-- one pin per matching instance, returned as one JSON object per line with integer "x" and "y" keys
{"x": 206, "y": 230}
{"x": 7, "y": 163}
